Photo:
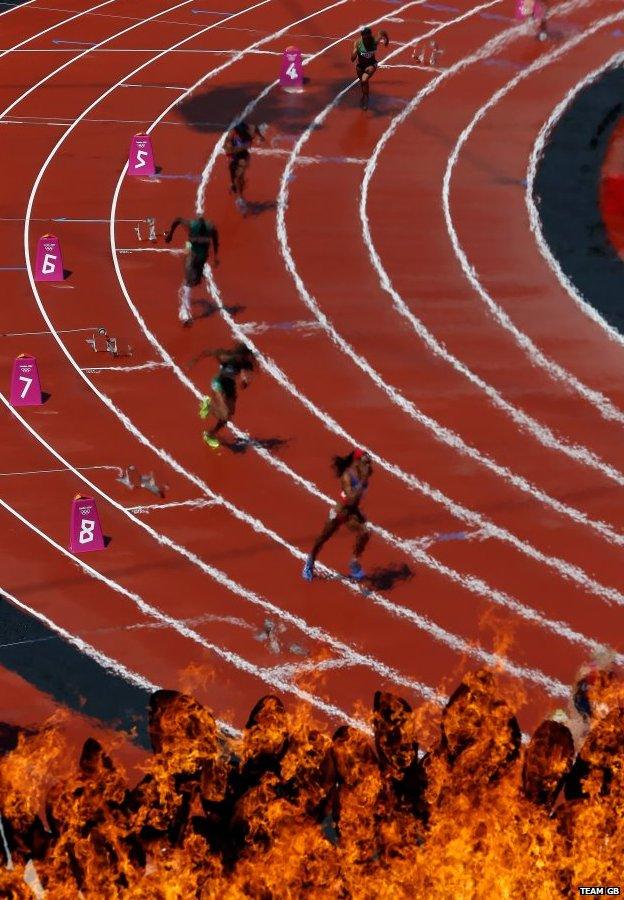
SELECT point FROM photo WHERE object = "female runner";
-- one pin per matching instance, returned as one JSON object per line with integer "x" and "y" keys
{"x": 201, "y": 234}
{"x": 237, "y": 145}
{"x": 354, "y": 471}
{"x": 363, "y": 55}
{"x": 239, "y": 361}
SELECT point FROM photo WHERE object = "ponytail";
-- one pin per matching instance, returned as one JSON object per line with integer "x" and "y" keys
{"x": 340, "y": 464}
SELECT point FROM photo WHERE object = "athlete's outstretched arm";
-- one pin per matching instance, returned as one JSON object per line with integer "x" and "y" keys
{"x": 174, "y": 225}
{"x": 354, "y": 52}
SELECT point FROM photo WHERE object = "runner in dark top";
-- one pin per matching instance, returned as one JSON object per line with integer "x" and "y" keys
{"x": 354, "y": 471}
{"x": 363, "y": 55}
{"x": 234, "y": 363}
{"x": 201, "y": 234}
{"x": 237, "y": 146}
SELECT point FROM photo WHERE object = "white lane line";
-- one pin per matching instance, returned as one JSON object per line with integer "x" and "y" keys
{"x": 562, "y": 567}
{"x": 38, "y": 333}
{"x": 45, "y": 31}
{"x": 598, "y": 400}
{"x": 148, "y": 366}
{"x": 442, "y": 433}
{"x": 106, "y": 662}
{"x": 531, "y": 201}
{"x": 307, "y": 160}
{"x": 65, "y": 469}
{"x": 471, "y": 584}
{"x": 200, "y": 503}
{"x": 234, "y": 659}
{"x": 578, "y": 453}
{"x": 4, "y": 12}
{"x": 177, "y": 251}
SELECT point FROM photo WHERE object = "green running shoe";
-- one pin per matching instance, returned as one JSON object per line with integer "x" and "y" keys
{"x": 204, "y": 407}
{"x": 211, "y": 440}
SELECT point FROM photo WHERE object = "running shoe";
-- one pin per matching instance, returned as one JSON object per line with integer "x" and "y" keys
{"x": 308, "y": 569}
{"x": 356, "y": 571}
{"x": 211, "y": 440}
{"x": 204, "y": 407}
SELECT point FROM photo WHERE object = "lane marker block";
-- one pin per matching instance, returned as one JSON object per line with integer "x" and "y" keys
{"x": 25, "y": 384}
{"x": 85, "y": 531}
{"x": 141, "y": 157}
{"x": 49, "y": 260}
{"x": 291, "y": 71}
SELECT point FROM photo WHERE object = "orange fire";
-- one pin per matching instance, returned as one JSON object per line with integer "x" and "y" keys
{"x": 289, "y": 811}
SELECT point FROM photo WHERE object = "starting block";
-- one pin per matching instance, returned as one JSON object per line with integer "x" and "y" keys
{"x": 132, "y": 479}
{"x": 427, "y": 54}
{"x": 85, "y": 531}
{"x": 101, "y": 342}
{"x": 291, "y": 71}
{"x": 151, "y": 229}
{"x": 25, "y": 384}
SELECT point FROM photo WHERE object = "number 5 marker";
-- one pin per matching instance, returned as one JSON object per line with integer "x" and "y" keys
{"x": 141, "y": 156}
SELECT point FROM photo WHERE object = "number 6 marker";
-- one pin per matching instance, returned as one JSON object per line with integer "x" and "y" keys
{"x": 49, "y": 261}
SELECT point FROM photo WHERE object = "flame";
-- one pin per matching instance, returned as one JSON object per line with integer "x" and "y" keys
{"x": 292, "y": 810}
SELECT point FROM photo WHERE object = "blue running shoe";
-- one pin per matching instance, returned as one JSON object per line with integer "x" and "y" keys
{"x": 356, "y": 571}
{"x": 308, "y": 569}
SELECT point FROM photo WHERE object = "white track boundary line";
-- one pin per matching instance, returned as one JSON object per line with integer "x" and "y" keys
{"x": 442, "y": 433}
{"x": 598, "y": 400}
{"x": 534, "y": 217}
{"x": 106, "y": 662}
{"x": 565, "y": 569}
{"x": 177, "y": 625}
{"x": 470, "y": 583}
{"x": 541, "y": 432}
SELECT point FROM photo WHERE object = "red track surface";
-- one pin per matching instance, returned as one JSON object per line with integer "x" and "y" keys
{"x": 324, "y": 235}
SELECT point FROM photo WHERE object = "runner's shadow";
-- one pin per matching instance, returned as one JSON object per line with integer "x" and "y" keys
{"x": 386, "y": 578}
{"x": 242, "y": 445}
{"x": 256, "y": 209}
{"x": 208, "y": 308}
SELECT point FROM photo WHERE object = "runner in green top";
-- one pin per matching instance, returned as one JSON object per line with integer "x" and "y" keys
{"x": 201, "y": 233}
{"x": 363, "y": 55}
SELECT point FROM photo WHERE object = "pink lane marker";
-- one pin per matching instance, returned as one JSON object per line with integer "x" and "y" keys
{"x": 291, "y": 71}
{"x": 524, "y": 9}
{"x": 85, "y": 531}
{"x": 49, "y": 260}
{"x": 25, "y": 384}
{"x": 141, "y": 157}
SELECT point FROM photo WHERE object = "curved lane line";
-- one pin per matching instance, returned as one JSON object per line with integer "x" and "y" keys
{"x": 602, "y": 403}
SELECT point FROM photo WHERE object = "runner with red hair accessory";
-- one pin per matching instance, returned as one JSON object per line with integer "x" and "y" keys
{"x": 354, "y": 471}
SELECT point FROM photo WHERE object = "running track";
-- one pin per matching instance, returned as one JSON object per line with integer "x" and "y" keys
{"x": 399, "y": 300}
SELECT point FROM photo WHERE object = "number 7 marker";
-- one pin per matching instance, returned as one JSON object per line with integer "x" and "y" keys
{"x": 25, "y": 385}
